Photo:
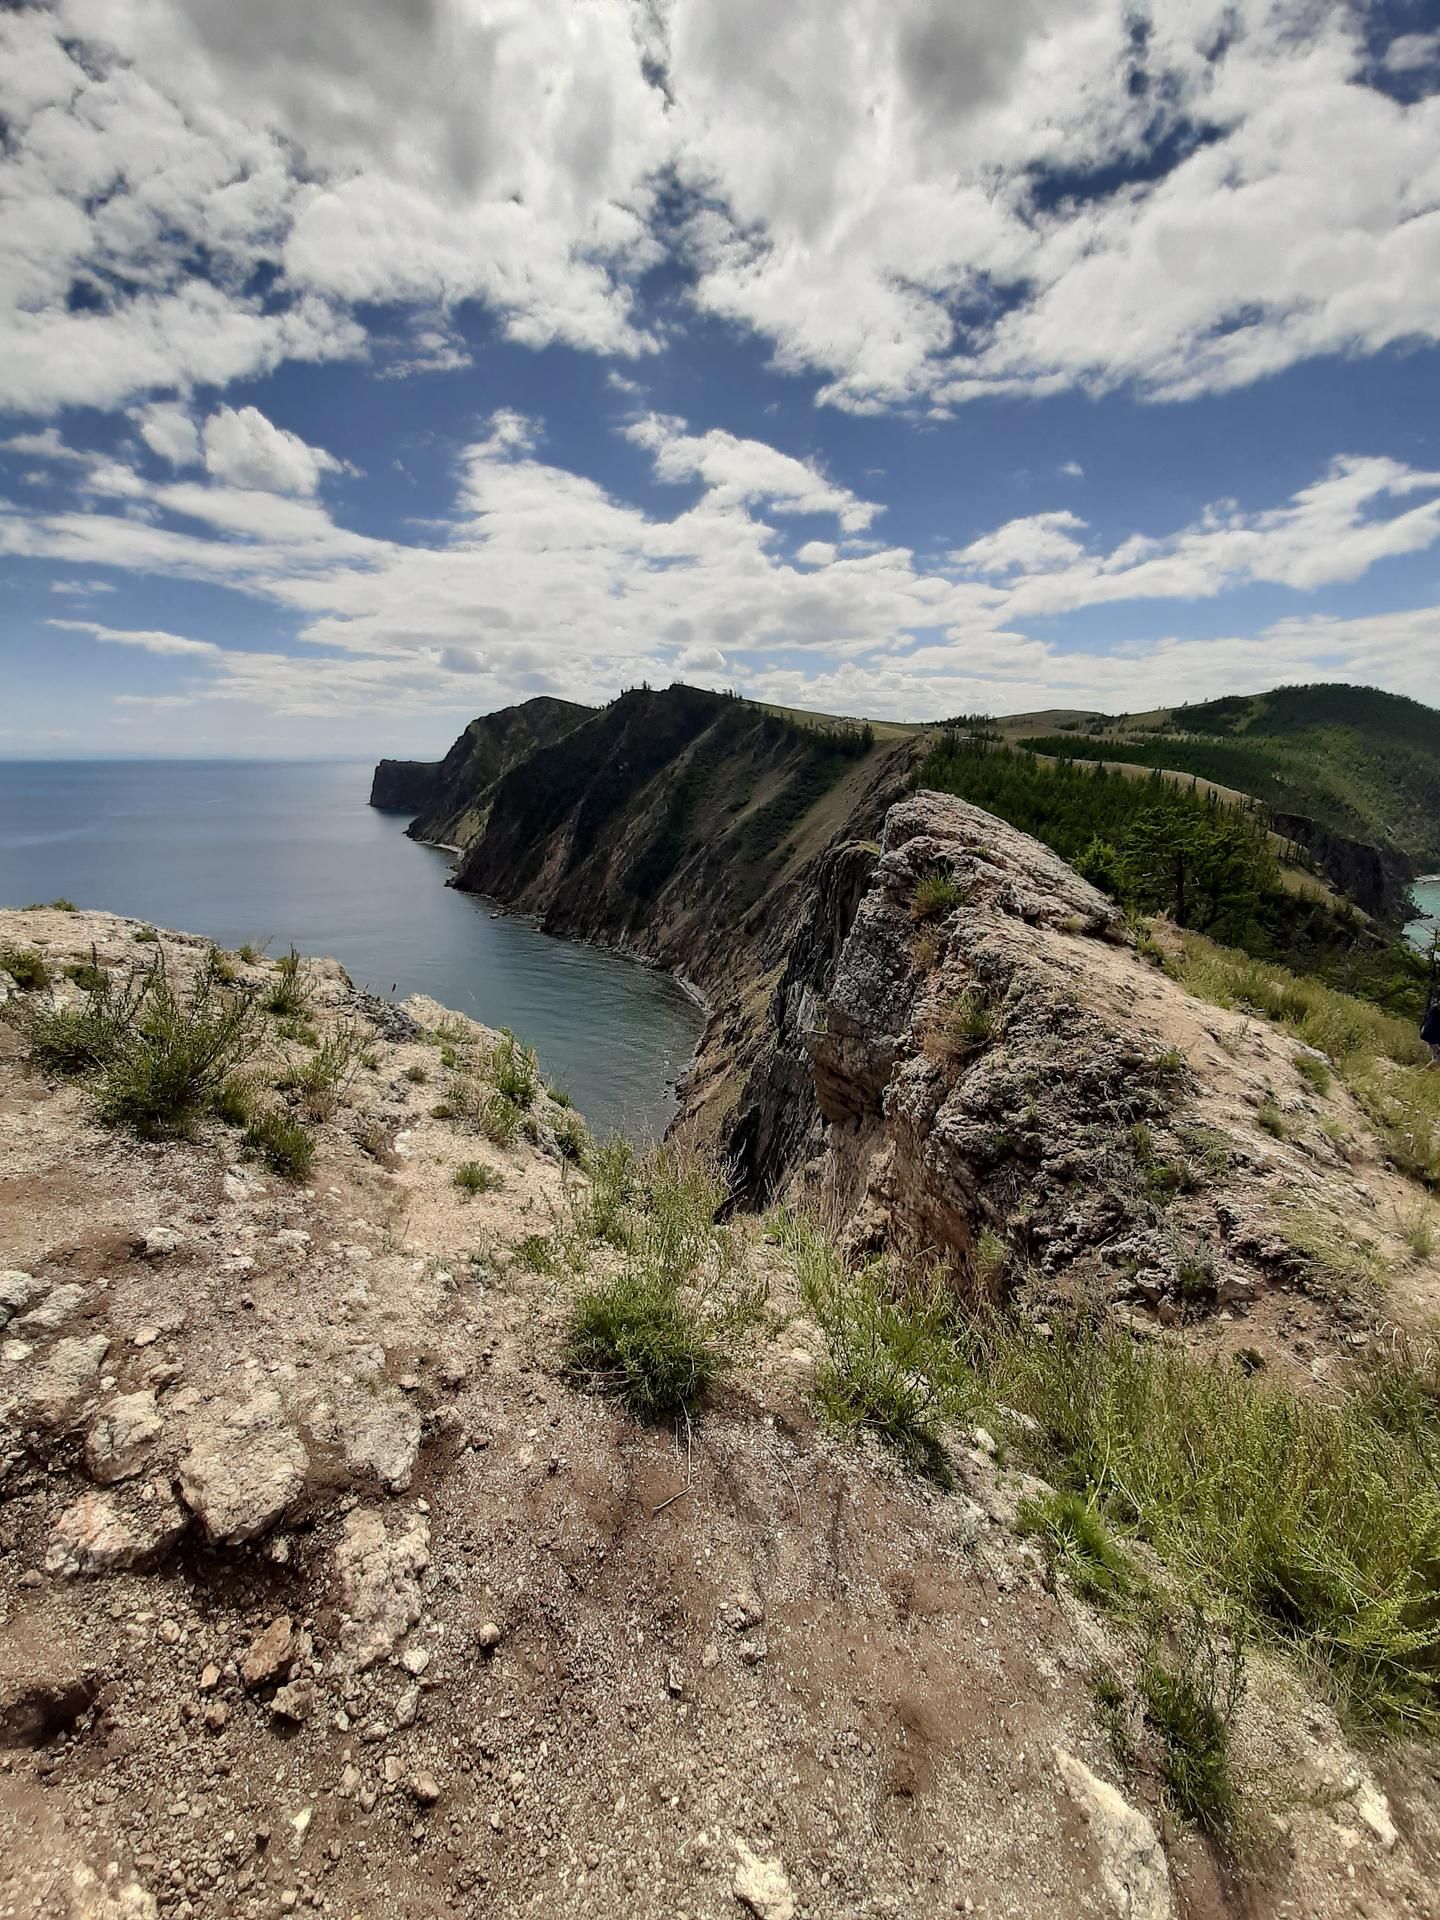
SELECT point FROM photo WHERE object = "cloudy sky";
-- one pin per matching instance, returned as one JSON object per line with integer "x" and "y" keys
{"x": 365, "y": 367}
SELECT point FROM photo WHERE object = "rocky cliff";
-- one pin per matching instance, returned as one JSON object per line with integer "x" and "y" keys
{"x": 450, "y": 798}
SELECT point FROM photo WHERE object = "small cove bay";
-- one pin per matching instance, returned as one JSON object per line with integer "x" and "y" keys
{"x": 291, "y": 851}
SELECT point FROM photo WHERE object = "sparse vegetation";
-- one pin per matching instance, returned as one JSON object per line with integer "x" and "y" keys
{"x": 145, "y": 936}
{"x": 282, "y": 1142}
{"x": 936, "y": 894}
{"x": 965, "y": 1026}
{"x": 322, "y": 1080}
{"x": 1312, "y": 1523}
{"x": 512, "y": 1068}
{"x": 1313, "y": 1071}
{"x": 250, "y": 953}
{"x": 1190, "y": 1699}
{"x": 416, "y": 1074}
{"x": 660, "y": 1327}
{"x": 473, "y": 1177}
{"x": 572, "y": 1138}
{"x": 26, "y": 967}
{"x": 1420, "y": 1235}
{"x": 289, "y": 995}
{"x": 1078, "y": 1545}
{"x": 1271, "y": 1120}
{"x": 891, "y": 1367}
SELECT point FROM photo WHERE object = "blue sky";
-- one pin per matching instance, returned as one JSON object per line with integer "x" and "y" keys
{"x": 897, "y": 357}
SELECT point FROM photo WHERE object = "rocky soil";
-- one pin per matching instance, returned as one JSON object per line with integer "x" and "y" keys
{"x": 321, "y": 1590}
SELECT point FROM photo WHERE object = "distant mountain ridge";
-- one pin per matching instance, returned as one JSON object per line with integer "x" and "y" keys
{"x": 1327, "y": 759}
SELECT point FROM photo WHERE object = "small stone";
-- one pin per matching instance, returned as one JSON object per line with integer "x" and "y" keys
{"x": 407, "y": 1707}
{"x": 215, "y": 1715}
{"x": 762, "y": 1886}
{"x": 984, "y": 1441}
{"x": 209, "y": 1678}
{"x": 169, "y": 1632}
{"x": 674, "y": 1681}
{"x": 415, "y": 1660}
{"x": 424, "y": 1789}
{"x": 146, "y": 1337}
{"x": 294, "y": 1702}
{"x": 488, "y": 1638}
{"x": 157, "y": 1242}
{"x": 288, "y": 1899}
{"x": 270, "y": 1653}
{"x": 711, "y": 1656}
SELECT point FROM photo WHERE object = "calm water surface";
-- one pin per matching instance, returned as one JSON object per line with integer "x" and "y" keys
{"x": 241, "y": 850}
{"x": 1426, "y": 895}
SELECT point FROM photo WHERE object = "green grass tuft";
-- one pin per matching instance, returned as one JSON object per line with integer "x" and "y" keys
{"x": 289, "y": 995}
{"x": 282, "y": 1142}
{"x": 936, "y": 894}
{"x": 473, "y": 1176}
{"x": 1079, "y": 1545}
{"x": 169, "y": 1057}
{"x": 1190, "y": 1700}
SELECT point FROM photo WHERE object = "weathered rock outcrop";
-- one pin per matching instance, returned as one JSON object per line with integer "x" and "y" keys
{"x": 1376, "y": 877}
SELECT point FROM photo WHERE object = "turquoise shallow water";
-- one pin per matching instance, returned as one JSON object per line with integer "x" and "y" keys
{"x": 1426, "y": 895}
{"x": 242, "y": 850}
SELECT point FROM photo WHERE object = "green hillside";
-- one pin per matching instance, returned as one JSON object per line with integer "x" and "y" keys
{"x": 1360, "y": 762}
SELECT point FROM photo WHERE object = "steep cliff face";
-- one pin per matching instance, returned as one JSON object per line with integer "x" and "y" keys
{"x": 691, "y": 830}
{"x": 1377, "y": 878}
{"x": 450, "y": 798}
{"x": 403, "y": 786}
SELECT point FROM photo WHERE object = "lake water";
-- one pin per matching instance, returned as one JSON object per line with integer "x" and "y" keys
{"x": 240, "y": 850}
{"x": 1426, "y": 894}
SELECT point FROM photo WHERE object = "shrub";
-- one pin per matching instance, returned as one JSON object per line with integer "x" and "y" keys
{"x": 170, "y": 1059}
{"x": 1078, "y": 1545}
{"x": 500, "y": 1120}
{"x": 1189, "y": 1703}
{"x": 571, "y": 1138}
{"x": 537, "y": 1253}
{"x": 26, "y": 967}
{"x": 62, "y": 905}
{"x": 473, "y": 1176}
{"x": 223, "y": 966}
{"x": 936, "y": 894}
{"x": 146, "y": 936}
{"x": 559, "y": 1095}
{"x": 250, "y": 953}
{"x": 1420, "y": 1234}
{"x": 81, "y": 1040}
{"x": 282, "y": 1142}
{"x": 514, "y": 1071}
{"x": 289, "y": 996}
{"x": 416, "y": 1074}
{"x": 88, "y": 975}
{"x": 322, "y": 1080}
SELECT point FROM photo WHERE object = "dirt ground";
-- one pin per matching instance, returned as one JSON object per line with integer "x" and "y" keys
{"x": 364, "y": 1611}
